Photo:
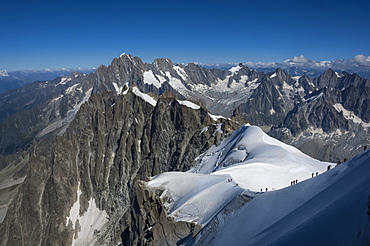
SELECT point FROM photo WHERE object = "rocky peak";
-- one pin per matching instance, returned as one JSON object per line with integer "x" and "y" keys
{"x": 200, "y": 75}
{"x": 357, "y": 100}
{"x": 123, "y": 70}
{"x": 265, "y": 106}
{"x": 243, "y": 71}
{"x": 307, "y": 84}
{"x": 352, "y": 80}
{"x": 318, "y": 112}
{"x": 162, "y": 64}
{"x": 282, "y": 77}
{"x": 163, "y": 67}
{"x": 328, "y": 79}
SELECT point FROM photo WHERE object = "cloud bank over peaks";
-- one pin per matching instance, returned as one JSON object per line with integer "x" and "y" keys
{"x": 299, "y": 59}
{"x": 362, "y": 60}
{"x": 299, "y": 65}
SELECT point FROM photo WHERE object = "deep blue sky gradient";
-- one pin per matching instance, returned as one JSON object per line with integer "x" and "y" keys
{"x": 55, "y": 34}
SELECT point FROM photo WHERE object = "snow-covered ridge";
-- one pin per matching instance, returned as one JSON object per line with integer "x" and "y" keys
{"x": 216, "y": 117}
{"x": 149, "y": 78}
{"x": 188, "y": 104}
{"x": 234, "y": 70}
{"x": 193, "y": 197}
{"x": 330, "y": 209}
{"x": 64, "y": 81}
{"x": 257, "y": 161}
{"x": 144, "y": 96}
{"x": 273, "y": 75}
{"x": 247, "y": 161}
{"x": 71, "y": 89}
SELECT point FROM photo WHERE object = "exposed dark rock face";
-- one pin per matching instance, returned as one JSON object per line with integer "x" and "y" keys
{"x": 13, "y": 169}
{"x": 272, "y": 99}
{"x": 323, "y": 125}
{"x": 30, "y": 111}
{"x": 112, "y": 143}
{"x": 200, "y": 75}
{"x": 357, "y": 100}
{"x": 150, "y": 224}
{"x": 317, "y": 112}
{"x": 264, "y": 107}
{"x": 328, "y": 80}
{"x": 352, "y": 80}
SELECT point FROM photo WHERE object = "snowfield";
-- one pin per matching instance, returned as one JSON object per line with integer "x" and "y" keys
{"x": 330, "y": 209}
{"x": 256, "y": 161}
{"x": 195, "y": 197}
{"x": 327, "y": 209}
{"x": 247, "y": 160}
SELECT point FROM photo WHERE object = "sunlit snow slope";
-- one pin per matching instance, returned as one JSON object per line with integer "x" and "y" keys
{"x": 247, "y": 160}
{"x": 256, "y": 161}
{"x": 330, "y": 209}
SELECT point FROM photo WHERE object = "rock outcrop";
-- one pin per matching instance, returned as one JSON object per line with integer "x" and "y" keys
{"x": 149, "y": 222}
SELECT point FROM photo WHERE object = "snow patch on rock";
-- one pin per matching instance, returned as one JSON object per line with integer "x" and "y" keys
{"x": 189, "y": 104}
{"x": 86, "y": 225}
{"x": 144, "y": 96}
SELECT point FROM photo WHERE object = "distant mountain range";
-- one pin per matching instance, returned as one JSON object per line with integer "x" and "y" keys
{"x": 296, "y": 66}
{"x": 291, "y": 108}
{"x": 299, "y": 65}
{"x": 16, "y": 79}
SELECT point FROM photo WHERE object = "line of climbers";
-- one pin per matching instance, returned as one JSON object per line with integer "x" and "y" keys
{"x": 294, "y": 182}
{"x": 230, "y": 180}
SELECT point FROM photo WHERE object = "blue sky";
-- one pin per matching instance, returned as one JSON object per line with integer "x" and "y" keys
{"x": 55, "y": 34}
